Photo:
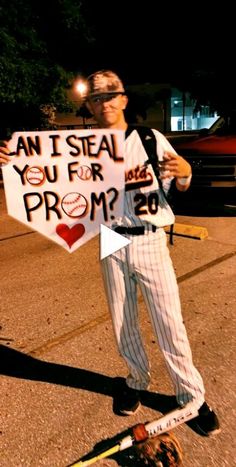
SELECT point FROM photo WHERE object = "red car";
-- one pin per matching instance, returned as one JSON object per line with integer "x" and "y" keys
{"x": 212, "y": 155}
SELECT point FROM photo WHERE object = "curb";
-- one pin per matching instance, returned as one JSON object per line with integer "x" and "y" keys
{"x": 184, "y": 230}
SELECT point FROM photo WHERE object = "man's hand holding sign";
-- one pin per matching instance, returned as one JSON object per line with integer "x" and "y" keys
{"x": 65, "y": 184}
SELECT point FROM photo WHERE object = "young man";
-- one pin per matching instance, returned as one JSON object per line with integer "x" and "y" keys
{"x": 146, "y": 261}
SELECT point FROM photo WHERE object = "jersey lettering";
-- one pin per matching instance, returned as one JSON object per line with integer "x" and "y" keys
{"x": 146, "y": 203}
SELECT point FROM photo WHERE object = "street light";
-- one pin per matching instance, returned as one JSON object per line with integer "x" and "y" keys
{"x": 81, "y": 88}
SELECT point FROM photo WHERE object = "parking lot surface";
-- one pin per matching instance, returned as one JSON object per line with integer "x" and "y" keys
{"x": 59, "y": 360}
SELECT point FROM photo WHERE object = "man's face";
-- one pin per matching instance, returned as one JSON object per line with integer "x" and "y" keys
{"x": 108, "y": 109}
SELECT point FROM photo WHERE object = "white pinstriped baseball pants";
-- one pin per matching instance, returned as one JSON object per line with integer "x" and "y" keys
{"x": 146, "y": 262}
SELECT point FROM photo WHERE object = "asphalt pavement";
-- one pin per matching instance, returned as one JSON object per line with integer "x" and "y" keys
{"x": 59, "y": 361}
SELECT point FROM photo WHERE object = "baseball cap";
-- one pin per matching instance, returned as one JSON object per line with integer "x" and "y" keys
{"x": 104, "y": 82}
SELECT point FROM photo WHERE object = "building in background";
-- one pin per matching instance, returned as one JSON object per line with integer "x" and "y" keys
{"x": 184, "y": 117}
{"x": 158, "y": 106}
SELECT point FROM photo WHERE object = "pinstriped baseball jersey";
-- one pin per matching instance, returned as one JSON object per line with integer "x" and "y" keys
{"x": 144, "y": 199}
{"x": 146, "y": 263}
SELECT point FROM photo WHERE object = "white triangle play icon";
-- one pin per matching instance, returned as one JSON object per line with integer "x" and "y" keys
{"x": 110, "y": 241}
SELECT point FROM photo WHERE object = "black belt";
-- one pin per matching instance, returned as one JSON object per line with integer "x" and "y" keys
{"x": 132, "y": 230}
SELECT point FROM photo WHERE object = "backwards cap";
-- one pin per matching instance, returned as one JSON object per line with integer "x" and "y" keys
{"x": 104, "y": 82}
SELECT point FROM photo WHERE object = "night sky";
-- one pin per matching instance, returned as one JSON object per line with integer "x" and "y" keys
{"x": 144, "y": 45}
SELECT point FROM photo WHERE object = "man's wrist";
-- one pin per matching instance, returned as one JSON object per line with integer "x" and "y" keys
{"x": 184, "y": 180}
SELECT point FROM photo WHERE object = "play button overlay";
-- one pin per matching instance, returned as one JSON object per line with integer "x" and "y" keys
{"x": 110, "y": 241}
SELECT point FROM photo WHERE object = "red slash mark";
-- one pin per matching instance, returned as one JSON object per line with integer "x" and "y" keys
{"x": 70, "y": 235}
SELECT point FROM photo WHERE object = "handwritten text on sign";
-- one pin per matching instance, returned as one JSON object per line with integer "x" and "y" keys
{"x": 64, "y": 184}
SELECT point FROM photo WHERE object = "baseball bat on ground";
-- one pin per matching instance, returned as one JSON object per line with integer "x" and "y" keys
{"x": 142, "y": 432}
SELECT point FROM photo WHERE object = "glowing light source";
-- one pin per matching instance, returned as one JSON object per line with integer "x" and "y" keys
{"x": 81, "y": 87}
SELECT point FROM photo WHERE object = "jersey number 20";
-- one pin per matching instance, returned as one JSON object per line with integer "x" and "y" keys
{"x": 146, "y": 203}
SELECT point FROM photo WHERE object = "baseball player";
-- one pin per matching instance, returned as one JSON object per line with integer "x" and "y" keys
{"x": 146, "y": 262}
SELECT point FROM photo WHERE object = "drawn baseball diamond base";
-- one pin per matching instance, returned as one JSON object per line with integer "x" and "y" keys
{"x": 64, "y": 184}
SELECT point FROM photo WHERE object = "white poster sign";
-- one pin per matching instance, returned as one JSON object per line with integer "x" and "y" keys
{"x": 64, "y": 184}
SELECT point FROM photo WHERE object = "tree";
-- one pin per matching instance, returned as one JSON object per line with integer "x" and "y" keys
{"x": 34, "y": 38}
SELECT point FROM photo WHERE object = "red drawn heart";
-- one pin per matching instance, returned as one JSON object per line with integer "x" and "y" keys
{"x": 70, "y": 235}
